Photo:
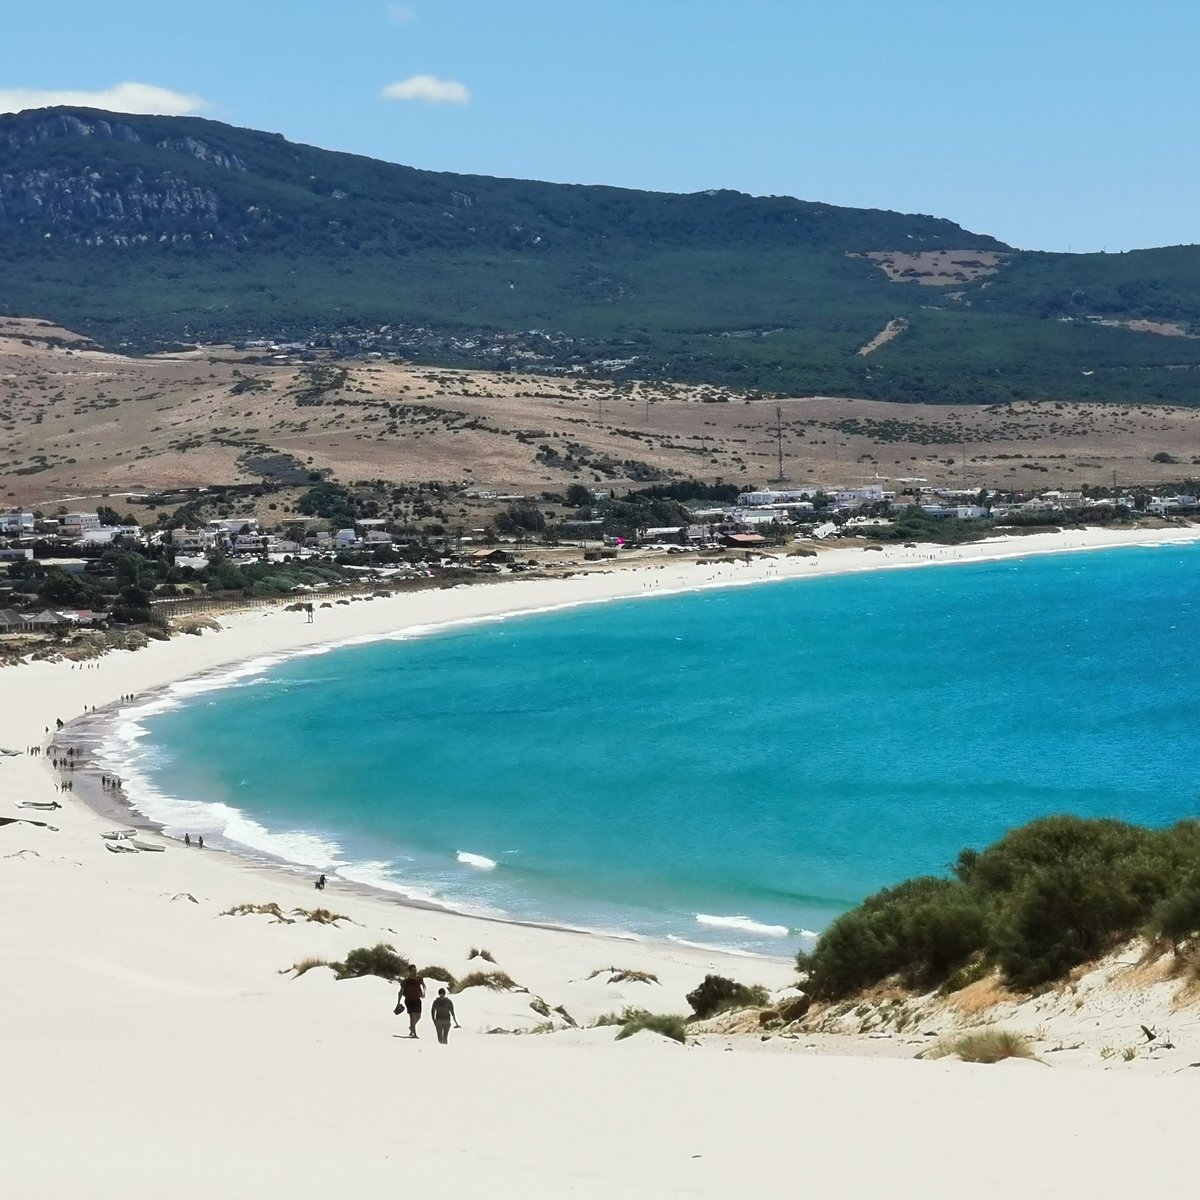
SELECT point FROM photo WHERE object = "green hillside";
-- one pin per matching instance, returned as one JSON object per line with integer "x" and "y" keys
{"x": 142, "y": 231}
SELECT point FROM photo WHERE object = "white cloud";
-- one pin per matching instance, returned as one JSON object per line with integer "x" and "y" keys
{"x": 427, "y": 88}
{"x": 124, "y": 97}
{"x": 401, "y": 13}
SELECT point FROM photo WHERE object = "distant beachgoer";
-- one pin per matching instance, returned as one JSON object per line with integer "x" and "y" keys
{"x": 187, "y": 840}
{"x": 412, "y": 992}
{"x": 442, "y": 1012}
{"x": 200, "y": 841}
{"x": 320, "y": 884}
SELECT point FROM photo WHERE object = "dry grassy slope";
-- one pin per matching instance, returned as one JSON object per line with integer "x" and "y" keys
{"x": 81, "y": 422}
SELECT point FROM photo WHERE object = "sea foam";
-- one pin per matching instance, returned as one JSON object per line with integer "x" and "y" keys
{"x": 745, "y": 924}
{"x": 480, "y": 861}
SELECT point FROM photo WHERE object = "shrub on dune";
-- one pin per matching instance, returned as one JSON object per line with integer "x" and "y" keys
{"x": 718, "y": 994}
{"x": 1044, "y": 899}
{"x": 380, "y": 960}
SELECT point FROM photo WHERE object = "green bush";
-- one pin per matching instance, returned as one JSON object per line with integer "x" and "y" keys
{"x": 381, "y": 960}
{"x": 1177, "y": 915}
{"x": 716, "y": 994}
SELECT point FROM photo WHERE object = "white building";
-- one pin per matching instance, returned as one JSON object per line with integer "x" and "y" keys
{"x": 192, "y": 541}
{"x": 16, "y": 523}
{"x": 102, "y": 535}
{"x": 870, "y": 493}
{"x": 234, "y": 524}
{"x": 766, "y": 497}
{"x": 76, "y": 523}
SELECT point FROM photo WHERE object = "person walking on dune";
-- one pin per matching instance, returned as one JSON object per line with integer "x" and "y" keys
{"x": 442, "y": 1012}
{"x": 412, "y": 992}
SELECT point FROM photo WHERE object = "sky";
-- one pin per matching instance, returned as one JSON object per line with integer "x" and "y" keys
{"x": 1050, "y": 124}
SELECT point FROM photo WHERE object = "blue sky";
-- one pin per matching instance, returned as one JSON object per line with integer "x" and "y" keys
{"x": 1059, "y": 124}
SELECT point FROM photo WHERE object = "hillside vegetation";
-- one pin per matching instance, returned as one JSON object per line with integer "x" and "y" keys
{"x": 1047, "y": 897}
{"x": 144, "y": 231}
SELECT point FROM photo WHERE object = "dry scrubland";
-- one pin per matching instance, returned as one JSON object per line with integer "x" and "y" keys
{"x": 82, "y": 422}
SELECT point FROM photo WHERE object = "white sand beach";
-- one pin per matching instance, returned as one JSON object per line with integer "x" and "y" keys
{"x": 155, "y": 1047}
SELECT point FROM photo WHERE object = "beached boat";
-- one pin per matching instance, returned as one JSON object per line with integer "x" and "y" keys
{"x": 40, "y": 805}
{"x": 121, "y": 847}
{"x": 119, "y": 835}
{"x": 140, "y": 845}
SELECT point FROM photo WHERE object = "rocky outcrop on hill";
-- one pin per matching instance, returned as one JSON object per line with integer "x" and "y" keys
{"x": 49, "y": 124}
{"x": 59, "y": 197}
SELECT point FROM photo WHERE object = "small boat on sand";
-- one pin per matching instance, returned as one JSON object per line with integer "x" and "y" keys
{"x": 119, "y": 835}
{"x": 140, "y": 845}
{"x": 121, "y": 847}
{"x": 40, "y": 805}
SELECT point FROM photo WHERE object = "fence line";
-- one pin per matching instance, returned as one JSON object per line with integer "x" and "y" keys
{"x": 194, "y": 605}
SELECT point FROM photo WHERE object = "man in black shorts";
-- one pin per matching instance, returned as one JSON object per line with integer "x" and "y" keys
{"x": 412, "y": 992}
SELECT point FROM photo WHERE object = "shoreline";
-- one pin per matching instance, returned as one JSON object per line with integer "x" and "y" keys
{"x": 130, "y": 978}
{"x": 599, "y": 586}
{"x": 682, "y": 578}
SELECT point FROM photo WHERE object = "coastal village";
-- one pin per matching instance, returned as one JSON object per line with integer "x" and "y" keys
{"x": 494, "y": 532}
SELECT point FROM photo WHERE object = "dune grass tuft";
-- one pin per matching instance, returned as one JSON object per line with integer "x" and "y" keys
{"x": 305, "y": 965}
{"x": 271, "y": 910}
{"x": 320, "y": 916}
{"x": 985, "y": 1046}
{"x": 440, "y": 974}
{"x": 618, "y": 1018}
{"x": 632, "y": 1020}
{"x": 670, "y": 1025}
{"x": 498, "y": 981}
{"x": 624, "y": 975}
{"x": 480, "y": 952}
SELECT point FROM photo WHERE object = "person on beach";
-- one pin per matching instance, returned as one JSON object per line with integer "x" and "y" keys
{"x": 412, "y": 992}
{"x": 320, "y": 884}
{"x": 442, "y": 1012}
{"x": 187, "y": 840}
{"x": 199, "y": 841}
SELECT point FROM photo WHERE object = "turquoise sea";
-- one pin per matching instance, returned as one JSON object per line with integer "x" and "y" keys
{"x": 732, "y": 767}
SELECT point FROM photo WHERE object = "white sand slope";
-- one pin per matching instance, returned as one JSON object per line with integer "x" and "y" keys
{"x": 151, "y": 1047}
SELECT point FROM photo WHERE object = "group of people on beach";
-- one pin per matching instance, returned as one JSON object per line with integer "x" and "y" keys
{"x": 199, "y": 841}
{"x": 110, "y": 783}
{"x": 67, "y": 761}
{"x": 411, "y": 999}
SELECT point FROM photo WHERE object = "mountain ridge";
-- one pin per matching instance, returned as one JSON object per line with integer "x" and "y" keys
{"x": 141, "y": 231}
